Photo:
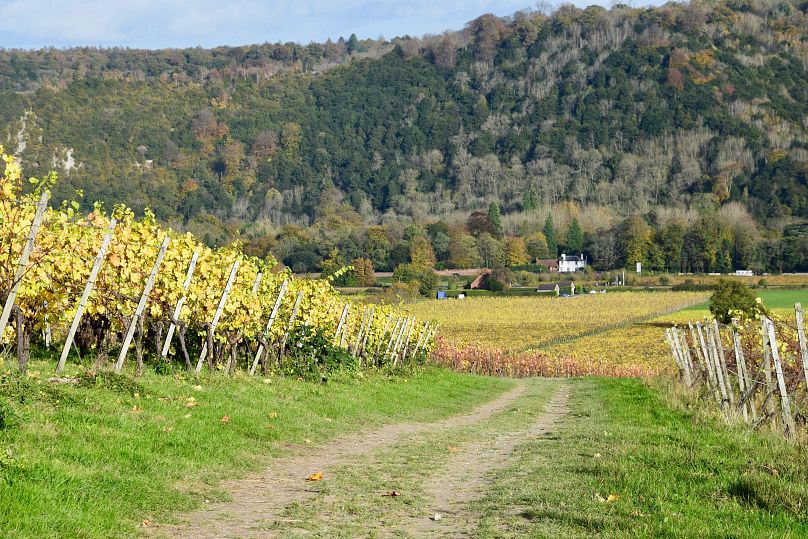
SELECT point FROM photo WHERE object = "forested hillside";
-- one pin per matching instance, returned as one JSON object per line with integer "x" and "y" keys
{"x": 684, "y": 121}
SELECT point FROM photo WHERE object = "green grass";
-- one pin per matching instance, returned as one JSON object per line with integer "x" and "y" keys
{"x": 781, "y": 298}
{"x": 675, "y": 475}
{"x": 97, "y": 458}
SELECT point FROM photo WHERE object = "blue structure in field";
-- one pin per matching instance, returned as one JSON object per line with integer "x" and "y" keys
{"x": 441, "y": 294}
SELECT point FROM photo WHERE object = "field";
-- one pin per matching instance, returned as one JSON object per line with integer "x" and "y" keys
{"x": 531, "y": 323}
{"x": 618, "y": 334}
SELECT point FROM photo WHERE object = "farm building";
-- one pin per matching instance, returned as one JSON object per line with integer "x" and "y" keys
{"x": 550, "y": 263}
{"x": 571, "y": 264}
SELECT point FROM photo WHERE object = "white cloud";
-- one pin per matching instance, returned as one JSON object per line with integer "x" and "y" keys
{"x": 180, "y": 23}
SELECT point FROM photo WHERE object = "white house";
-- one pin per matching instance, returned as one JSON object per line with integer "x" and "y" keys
{"x": 571, "y": 264}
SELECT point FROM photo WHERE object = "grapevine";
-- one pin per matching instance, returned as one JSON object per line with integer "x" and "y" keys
{"x": 68, "y": 242}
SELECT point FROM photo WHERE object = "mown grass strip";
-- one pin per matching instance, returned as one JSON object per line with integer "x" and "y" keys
{"x": 98, "y": 458}
{"x": 674, "y": 474}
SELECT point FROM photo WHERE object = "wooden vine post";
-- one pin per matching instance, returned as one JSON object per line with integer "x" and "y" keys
{"x": 681, "y": 345}
{"x": 270, "y": 322}
{"x": 800, "y": 335}
{"x": 88, "y": 288}
{"x": 180, "y": 303}
{"x": 788, "y": 419}
{"x": 767, "y": 366}
{"x": 341, "y": 323}
{"x": 744, "y": 384}
{"x": 141, "y": 306}
{"x": 367, "y": 333}
{"x": 392, "y": 337}
{"x": 219, "y": 310}
{"x": 699, "y": 356}
{"x": 708, "y": 360}
{"x": 290, "y": 324}
{"x": 722, "y": 362}
{"x": 381, "y": 337}
{"x": 41, "y": 206}
{"x": 361, "y": 331}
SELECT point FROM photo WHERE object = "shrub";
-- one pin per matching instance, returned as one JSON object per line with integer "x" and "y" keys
{"x": 407, "y": 273}
{"x": 733, "y": 299}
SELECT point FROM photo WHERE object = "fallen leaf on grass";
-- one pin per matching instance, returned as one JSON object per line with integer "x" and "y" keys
{"x": 316, "y": 476}
{"x": 225, "y": 419}
{"x": 597, "y": 455}
{"x": 308, "y": 441}
{"x": 197, "y": 388}
{"x": 436, "y": 517}
{"x": 599, "y": 498}
{"x": 452, "y": 449}
{"x": 167, "y": 428}
{"x": 392, "y": 493}
{"x": 147, "y": 522}
{"x": 136, "y": 409}
{"x": 612, "y": 498}
{"x": 273, "y": 415}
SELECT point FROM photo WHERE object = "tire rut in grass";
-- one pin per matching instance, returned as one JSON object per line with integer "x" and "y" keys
{"x": 465, "y": 478}
{"x": 263, "y": 497}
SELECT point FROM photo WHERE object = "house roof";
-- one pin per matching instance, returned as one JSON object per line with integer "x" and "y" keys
{"x": 550, "y": 262}
{"x": 573, "y": 259}
{"x": 551, "y": 286}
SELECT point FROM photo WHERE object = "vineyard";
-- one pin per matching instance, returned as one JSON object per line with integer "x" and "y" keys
{"x": 613, "y": 334}
{"x": 102, "y": 284}
{"x": 755, "y": 370}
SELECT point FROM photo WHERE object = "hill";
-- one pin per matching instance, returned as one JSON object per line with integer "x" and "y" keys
{"x": 669, "y": 113}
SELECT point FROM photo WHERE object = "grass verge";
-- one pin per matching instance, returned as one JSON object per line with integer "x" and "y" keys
{"x": 98, "y": 458}
{"x": 671, "y": 474}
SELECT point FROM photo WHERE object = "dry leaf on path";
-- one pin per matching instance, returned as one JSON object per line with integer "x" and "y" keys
{"x": 452, "y": 449}
{"x": 147, "y": 522}
{"x": 392, "y": 493}
{"x": 317, "y": 476}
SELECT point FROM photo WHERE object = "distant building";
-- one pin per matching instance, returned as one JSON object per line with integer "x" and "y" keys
{"x": 550, "y": 263}
{"x": 744, "y": 273}
{"x": 571, "y": 264}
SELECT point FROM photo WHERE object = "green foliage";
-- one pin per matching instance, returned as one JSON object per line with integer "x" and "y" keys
{"x": 313, "y": 356}
{"x": 550, "y": 237}
{"x": 733, "y": 299}
{"x": 494, "y": 218}
{"x": 575, "y": 238}
{"x": 235, "y": 142}
{"x": 424, "y": 278}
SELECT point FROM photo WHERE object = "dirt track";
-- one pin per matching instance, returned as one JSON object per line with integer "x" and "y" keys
{"x": 258, "y": 502}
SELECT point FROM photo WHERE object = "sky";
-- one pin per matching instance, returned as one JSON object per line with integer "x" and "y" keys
{"x": 188, "y": 23}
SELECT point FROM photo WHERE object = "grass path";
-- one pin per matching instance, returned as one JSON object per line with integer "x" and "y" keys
{"x": 549, "y": 458}
{"x": 261, "y": 498}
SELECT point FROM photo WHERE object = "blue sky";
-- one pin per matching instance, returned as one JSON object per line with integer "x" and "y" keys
{"x": 188, "y": 23}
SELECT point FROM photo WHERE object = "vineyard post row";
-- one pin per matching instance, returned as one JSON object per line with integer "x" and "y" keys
{"x": 401, "y": 335}
{"x": 761, "y": 382}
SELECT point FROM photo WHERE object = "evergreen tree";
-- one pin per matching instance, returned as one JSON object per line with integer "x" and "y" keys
{"x": 549, "y": 235}
{"x": 575, "y": 238}
{"x": 496, "y": 222}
